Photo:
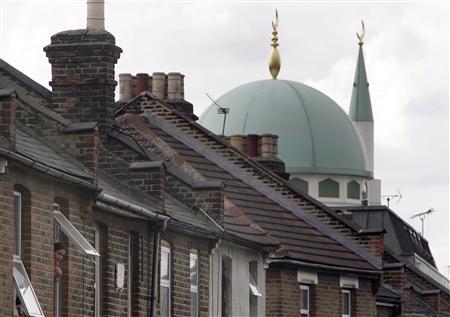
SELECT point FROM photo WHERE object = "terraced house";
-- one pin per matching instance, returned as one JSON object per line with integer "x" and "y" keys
{"x": 132, "y": 208}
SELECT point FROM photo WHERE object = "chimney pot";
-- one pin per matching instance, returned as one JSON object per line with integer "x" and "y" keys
{"x": 125, "y": 83}
{"x": 174, "y": 86}
{"x": 236, "y": 141}
{"x": 159, "y": 85}
{"x": 141, "y": 82}
{"x": 95, "y": 15}
{"x": 252, "y": 145}
{"x": 267, "y": 148}
{"x": 275, "y": 145}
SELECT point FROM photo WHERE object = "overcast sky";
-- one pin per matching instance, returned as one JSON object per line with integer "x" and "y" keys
{"x": 219, "y": 46}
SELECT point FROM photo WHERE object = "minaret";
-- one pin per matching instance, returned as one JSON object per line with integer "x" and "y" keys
{"x": 360, "y": 106}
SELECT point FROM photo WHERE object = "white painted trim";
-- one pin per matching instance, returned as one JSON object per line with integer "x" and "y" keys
{"x": 348, "y": 282}
{"x": 306, "y": 277}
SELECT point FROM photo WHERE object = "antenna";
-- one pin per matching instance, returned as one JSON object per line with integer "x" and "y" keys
{"x": 421, "y": 216}
{"x": 389, "y": 197}
{"x": 220, "y": 110}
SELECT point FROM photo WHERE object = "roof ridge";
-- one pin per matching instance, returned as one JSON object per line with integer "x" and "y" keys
{"x": 259, "y": 170}
{"x": 24, "y": 79}
{"x": 181, "y": 174}
{"x": 262, "y": 187}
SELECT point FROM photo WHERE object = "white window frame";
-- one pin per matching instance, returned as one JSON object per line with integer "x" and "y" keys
{"x": 17, "y": 226}
{"x": 194, "y": 288}
{"x": 98, "y": 278}
{"x": 349, "y": 292}
{"x": 71, "y": 232}
{"x": 57, "y": 282}
{"x": 166, "y": 282}
{"x": 254, "y": 288}
{"x": 130, "y": 277}
{"x": 305, "y": 311}
{"x": 22, "y": 281}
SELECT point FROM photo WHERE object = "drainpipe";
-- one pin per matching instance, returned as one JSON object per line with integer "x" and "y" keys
{"x": 155, "y": 261}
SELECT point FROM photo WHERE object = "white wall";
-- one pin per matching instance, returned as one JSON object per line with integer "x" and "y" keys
{"x": 365, "y": 129}
{"x": 241, "y": 258}
{"x": 313, "y": 188}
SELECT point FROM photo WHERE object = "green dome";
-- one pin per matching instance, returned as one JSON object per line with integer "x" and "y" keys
{"x": 315, "y": 134}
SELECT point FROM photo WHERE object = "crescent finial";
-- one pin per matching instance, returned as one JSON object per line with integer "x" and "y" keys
{"x": 274, "y": 58}
{"x": 361, "y": 37}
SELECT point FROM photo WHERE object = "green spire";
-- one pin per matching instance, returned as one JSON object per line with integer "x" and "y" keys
{"x": 360, "y": 105}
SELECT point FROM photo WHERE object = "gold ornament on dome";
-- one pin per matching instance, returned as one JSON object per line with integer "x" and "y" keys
{"x": 274, "y": 58}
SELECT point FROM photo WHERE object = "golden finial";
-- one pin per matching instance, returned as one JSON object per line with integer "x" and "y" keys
{"x": 274, "y": 58}
{"x": 361, "y": 37}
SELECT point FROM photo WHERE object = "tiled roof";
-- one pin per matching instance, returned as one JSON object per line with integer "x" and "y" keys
{"x": 302, "y": 239}
{"x": 400, "y": 236}
{"x": 37, "y": 149}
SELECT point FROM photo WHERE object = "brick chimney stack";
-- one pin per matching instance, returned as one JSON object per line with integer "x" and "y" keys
{"x": 83, "y": 70}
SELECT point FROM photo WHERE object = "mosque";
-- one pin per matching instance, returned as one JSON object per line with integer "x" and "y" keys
{"x": 327, "y": 153}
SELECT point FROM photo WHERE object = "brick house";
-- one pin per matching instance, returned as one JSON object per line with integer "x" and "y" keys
{"x": 159, "y": 216}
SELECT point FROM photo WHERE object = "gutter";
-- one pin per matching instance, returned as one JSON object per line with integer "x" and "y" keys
{"x": 326, "y": 267}
{"x": 47, "y": 170}
{"x": 132, "y": 207}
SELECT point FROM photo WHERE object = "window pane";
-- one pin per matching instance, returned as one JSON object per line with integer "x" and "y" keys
{"x": 17, "y": 223}
{"x": 328, "y": 188}
{"x": 194, "y": 304}
{"x": 353, "y": 190}
{"x": 25, "y": 289}
{"x": 164, "y": 301}
{"x": 194, "y": 270}
{"x": 253, "y": 305}
{"x": 346, "y": 303}
{"x": 71, "y": 232}
{"x": 304, "y": 300}
{"x": 165, "y": 266}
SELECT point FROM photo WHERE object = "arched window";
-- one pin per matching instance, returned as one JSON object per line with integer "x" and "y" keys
{"x": 299, "y": 184}
{"x": 329, "y": 188}
{"x": 353, "y": 190}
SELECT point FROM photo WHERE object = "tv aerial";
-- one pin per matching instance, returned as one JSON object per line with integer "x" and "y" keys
{"x": 220, "y": 110}
{"x": 390, "y": 197}
{"x": 421, "y": 216}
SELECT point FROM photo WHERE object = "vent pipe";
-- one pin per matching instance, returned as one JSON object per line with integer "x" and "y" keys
{"x": 95, "y": 15}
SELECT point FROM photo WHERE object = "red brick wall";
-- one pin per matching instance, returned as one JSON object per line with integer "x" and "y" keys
{"x": 6, "y": 243}
{"x": 39, "y": 193}
{"x": 180, "y": 288}
{"x": 283, "y": 293}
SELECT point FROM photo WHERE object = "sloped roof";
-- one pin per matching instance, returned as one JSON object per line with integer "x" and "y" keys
{"x": 24, "y": 79}
{"x": 304, "y": 238}
{"x": 39, "y": 150}
{"x": 400, "y": 236}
